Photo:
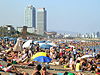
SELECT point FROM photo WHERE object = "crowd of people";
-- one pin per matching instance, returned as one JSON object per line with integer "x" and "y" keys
{"x": 68, "y": 54}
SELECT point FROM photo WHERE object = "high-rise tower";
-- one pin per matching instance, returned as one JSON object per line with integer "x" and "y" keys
{"x": 30, "y": 17}
{"x": 41, "y": 21}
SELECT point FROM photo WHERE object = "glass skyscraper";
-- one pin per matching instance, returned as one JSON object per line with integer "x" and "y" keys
{"x": 30, "y": 17}
{"x": 41, "y": 21}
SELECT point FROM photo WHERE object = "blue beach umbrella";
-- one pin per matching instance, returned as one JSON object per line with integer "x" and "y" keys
{"x": 61, "y": 42}
{"x": 48, "y": 42}
{"x": 41, "y": 41}
{"x": 42, "y": 59}
{"x": 45, "y": 46}
{"x": 38, "y": 42}
{"x": 15, "y": 39}
{"x": 7, "y": 37}
{"x": 1, "y": 37}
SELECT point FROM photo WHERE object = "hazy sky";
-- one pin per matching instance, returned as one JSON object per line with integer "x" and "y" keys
{"x": 63, "y": 15}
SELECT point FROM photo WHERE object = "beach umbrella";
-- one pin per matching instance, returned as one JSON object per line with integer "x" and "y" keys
{"x": 41, "y": 41}
{"x": 1, "y": 37}
{"x": 41, "y": 44}
{"x": 48, "y": 42}
{"x": 27, "y": 44}
{"x": 12, "y": 39}
{"x": 42, "y": 59}
{"x": 52, "y": 44}
{"x": 38, "y": 54}
{"x": 86, "y": 56}
{"x": 7, "y": 37}
{"x": 18, "y": 45}
{"x": 45, "y": 46}
{"x": 35, "y": 42}
{"x": 61, "y": 42}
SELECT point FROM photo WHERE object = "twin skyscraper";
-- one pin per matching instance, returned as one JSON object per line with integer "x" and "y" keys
{"x": 35, "y": 20}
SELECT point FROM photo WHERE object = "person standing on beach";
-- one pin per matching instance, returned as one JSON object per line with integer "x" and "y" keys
{"x": 74, "y": 53}
{"x": 94, "y": 54}
{"x": 37, "y": 48}
{"x": 78, "y": 66}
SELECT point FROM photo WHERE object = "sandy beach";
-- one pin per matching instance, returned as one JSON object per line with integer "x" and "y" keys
{"x": 61, "y": 55}
{"x": 50, "y": 71}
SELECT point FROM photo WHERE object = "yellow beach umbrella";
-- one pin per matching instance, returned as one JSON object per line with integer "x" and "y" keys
{"x": 39, "y": 54}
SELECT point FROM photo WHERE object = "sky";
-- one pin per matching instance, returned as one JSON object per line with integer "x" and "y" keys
{"x": 82, "y": 16}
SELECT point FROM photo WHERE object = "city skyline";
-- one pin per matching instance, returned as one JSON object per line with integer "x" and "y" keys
{"x": 63, "y": 15}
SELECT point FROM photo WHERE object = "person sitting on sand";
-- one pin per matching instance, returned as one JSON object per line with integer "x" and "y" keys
{"x": 10, "y": 68}
{"x": 89, "y": 67}
{"x": 97, "y": 70}
{"x": 1, "y": 67}
{"x": 84, "y": 64}
{"x": 69, "y": 66}
{"x": 61, "y": 60}
{"x": 23, "y": 58}
{"x": 79, "y": 73}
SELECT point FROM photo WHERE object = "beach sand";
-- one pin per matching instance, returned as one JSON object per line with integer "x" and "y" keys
{"x": 59, "y": 69}
{"x": 54, "y": 70}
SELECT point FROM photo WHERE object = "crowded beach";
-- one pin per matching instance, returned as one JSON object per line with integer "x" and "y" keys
{"x": 48, "y": 57}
